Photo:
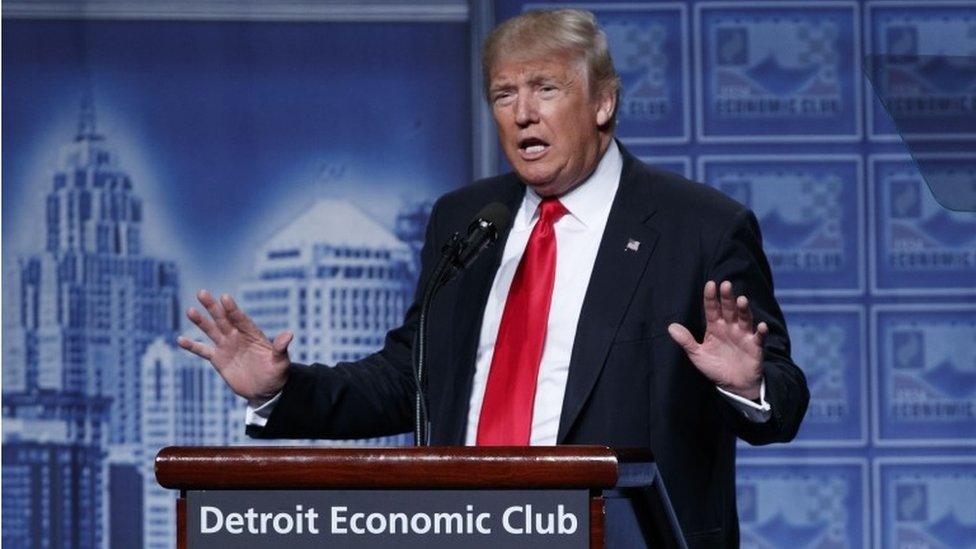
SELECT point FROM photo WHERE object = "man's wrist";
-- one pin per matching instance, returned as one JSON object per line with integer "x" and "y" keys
{"x": 752, "y": 392}
{"x": 258, "y": 401}
{"x": 756, "y": 411}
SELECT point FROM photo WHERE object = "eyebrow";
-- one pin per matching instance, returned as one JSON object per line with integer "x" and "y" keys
{"x": 537, "y": 79}
{"x": 533, "y": 80}
{"x": 500, "y": 87}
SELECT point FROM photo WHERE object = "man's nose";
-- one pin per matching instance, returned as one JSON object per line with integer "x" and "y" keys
{"x": 526, "y": 110}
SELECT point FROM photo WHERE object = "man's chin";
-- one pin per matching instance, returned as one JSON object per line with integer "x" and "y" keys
{"x": 541, "y": 184}
{"x": 549, "y": 188}
{"x": 545, "y": 182}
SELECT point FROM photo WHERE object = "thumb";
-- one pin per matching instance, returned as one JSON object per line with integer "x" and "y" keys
{"x": 280, "y": 343}
{"x": 682, "y": 337}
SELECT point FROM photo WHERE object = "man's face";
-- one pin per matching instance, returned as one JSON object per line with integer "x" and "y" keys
{"x": 548, "y": 125}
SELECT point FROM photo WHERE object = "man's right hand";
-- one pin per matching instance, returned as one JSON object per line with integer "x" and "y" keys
{"x": 254, "y": 367}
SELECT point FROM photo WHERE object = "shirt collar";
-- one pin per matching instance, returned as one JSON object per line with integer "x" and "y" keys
{"x": 590, "y": 201}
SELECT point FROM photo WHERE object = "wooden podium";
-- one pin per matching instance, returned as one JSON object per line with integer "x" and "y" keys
{"x": 627, "y": 503}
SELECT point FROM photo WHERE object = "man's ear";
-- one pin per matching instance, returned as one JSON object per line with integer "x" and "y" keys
{"x": 605, "y": 108}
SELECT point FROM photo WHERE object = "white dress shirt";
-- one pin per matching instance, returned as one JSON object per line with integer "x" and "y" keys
{"x": 578, "y": 236}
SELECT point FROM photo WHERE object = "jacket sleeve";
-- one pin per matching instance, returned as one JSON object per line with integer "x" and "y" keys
{"x": 370, "y": 397}
{"x": 739, "y": 258}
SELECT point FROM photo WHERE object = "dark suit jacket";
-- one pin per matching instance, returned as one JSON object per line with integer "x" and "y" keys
{"x": 629, "y": 383}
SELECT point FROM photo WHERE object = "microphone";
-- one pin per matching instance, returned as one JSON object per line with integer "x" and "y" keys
{"x": 484, "y": 229}
{"x": 456, "y": 256}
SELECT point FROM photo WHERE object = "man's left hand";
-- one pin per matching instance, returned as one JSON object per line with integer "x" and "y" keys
{"x": 731, "y": 352}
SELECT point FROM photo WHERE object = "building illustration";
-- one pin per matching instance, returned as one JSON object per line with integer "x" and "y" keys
{"x": 81, "y": 314}
{"x": 93, "y": 384}
{"x": 335, "y": 278}
{"x": 184, "y": 403}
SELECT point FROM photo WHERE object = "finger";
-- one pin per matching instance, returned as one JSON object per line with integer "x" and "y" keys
{"x": 712, "y": 309}
{"x": 744, "y": 313}
{"x": 761, "y": 332}
{"x": 195, "y": 347}
{"x": 727, "y": 302}
{"x": 205, "y": 324}
{"x": 238, "y": 317}
{"x": 682, "y": 337}
{"x": 215, "y": 309}
{"x": 280, "y": 343}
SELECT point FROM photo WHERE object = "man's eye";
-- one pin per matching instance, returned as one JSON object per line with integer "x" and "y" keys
{"x": 502, "y": 98}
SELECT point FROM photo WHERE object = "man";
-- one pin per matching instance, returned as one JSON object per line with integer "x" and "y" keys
{"x": 559, "y": 335}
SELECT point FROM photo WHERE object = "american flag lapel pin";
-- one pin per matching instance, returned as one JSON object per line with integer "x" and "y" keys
{"x": 633, "y": 245}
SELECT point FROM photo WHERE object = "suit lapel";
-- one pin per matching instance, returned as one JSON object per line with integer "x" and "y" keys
{"x": 474, "y": 288}
{"x": 616, "y": 273}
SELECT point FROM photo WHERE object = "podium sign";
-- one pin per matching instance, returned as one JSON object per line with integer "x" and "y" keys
{"x": 447, "y": 496}
{"x": 298, "y": 519}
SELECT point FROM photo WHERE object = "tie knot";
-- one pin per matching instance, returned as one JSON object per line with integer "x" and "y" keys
{"x": 550, "y": 210}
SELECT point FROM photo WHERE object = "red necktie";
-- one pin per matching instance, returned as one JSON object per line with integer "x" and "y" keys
{"x": 506, "y": 412}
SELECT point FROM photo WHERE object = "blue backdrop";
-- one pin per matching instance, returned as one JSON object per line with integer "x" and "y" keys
{"x": 290, "y": 156}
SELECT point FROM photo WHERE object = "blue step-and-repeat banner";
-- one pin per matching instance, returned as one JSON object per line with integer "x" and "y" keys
{"x": 289, "y": 153}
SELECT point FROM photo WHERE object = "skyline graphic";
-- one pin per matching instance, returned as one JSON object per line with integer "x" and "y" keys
{"x": 106, "y": 358}
{"x": 123, "y": 195}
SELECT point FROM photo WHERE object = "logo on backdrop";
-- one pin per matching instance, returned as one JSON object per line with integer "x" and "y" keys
{"x": 927, "y": 91}
{"x": 927, "y": 504}
{"x": 808, "y": 212}
{"x": 830, "y": 344}
{"x": 926, "y": 372}
{"x": 771, "y": 73}
{"x": 921, "y": 247}
{"x": 649, "y": 48}
{"x": 792, "y": 505}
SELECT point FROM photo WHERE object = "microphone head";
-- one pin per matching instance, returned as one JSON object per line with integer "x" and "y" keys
{"x": 496, "y": 216}
{"x": 482, "y": 232}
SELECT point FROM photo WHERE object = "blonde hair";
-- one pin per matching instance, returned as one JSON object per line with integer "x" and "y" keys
{"x": 542, "y": 33}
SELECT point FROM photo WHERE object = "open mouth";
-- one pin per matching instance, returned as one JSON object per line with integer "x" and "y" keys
{"x": 532, "y": 147}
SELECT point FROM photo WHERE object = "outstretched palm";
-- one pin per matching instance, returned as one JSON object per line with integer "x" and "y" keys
{"x": 252, "y": 366}
{"x": 730, "y": 354}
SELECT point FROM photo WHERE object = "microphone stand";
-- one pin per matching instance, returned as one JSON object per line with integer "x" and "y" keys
{"x": 442, "y": 273}
{"x": 456, "y": 255}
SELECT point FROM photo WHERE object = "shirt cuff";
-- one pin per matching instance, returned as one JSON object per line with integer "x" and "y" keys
{"x": 756, "y": 413}
{"x": 258, "y": 417}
